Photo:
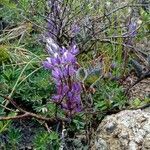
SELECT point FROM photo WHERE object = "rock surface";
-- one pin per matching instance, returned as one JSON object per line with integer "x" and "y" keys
{"x": 127, "y": 130}
{"x": 140, "y": 90}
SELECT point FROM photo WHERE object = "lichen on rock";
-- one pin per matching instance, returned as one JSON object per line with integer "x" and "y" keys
{"x": 127, "y": 130}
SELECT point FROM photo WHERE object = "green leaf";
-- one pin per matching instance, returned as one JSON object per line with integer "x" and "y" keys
{"x": 4, "y": 125}
{"x": 8, "y": 3}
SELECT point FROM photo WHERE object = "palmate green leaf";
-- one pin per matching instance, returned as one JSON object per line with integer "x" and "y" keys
{"x": 14, "y": 136}
{"x": 109, "y": 95}
{"x": 53, "y": 136}
{"x": 45, "y": 140}
{"x": 78, "y": 123}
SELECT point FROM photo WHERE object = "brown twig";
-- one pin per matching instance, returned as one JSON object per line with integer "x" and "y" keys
{"x": 14, "y": 117}
{"x": 39, "y": 117}
{"x": 30, "y": 114}
{"x": 7, "y": 108}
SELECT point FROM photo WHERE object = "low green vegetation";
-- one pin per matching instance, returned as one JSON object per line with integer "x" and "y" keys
{"x": 112, "y": 44}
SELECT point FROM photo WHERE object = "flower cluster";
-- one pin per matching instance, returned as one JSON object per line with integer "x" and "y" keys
{"x": 54, "y": 19}
{"x": 59, "y": 27}
{"x": 63, "y": 64}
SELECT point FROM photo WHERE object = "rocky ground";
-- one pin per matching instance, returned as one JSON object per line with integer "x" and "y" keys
{"x": 140, "y": 90}
{"x": 127, "y": 130}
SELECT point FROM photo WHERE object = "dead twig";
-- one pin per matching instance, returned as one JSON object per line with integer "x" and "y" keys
{"x": 29, "y": 114}
{"x": 15, "y": 117}
{"x": 7, "y": 108}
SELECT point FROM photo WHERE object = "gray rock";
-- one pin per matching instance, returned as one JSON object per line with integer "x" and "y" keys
{"x": 146, "y": 143}
{"x": 127, "y": 130}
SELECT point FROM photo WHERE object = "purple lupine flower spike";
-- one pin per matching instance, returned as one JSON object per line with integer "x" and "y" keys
{"x": 53, "y": 17}
{"x": 63, "y": 65}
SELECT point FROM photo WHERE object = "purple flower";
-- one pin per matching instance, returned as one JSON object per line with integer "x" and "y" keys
{"x": 62, "y": 62}
{"x": 63, "y": 66}
{"x": 76, "y": 87}
{"x": 56, "y": 98}
{"x": 57, "y": 73}
{"x": 68, "y": 57}
{"x": 47, "y": 65}
{"x": 74, "y": 50}
{"x": 62, "y": 50}
{"x": 71, "y": 70}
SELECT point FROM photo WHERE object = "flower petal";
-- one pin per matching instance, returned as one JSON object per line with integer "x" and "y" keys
{"x": 74, "y": 50}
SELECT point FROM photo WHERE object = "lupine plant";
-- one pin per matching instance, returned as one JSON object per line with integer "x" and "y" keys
{"x": 63, "y": 64}
{"x": 61, "y": 26}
